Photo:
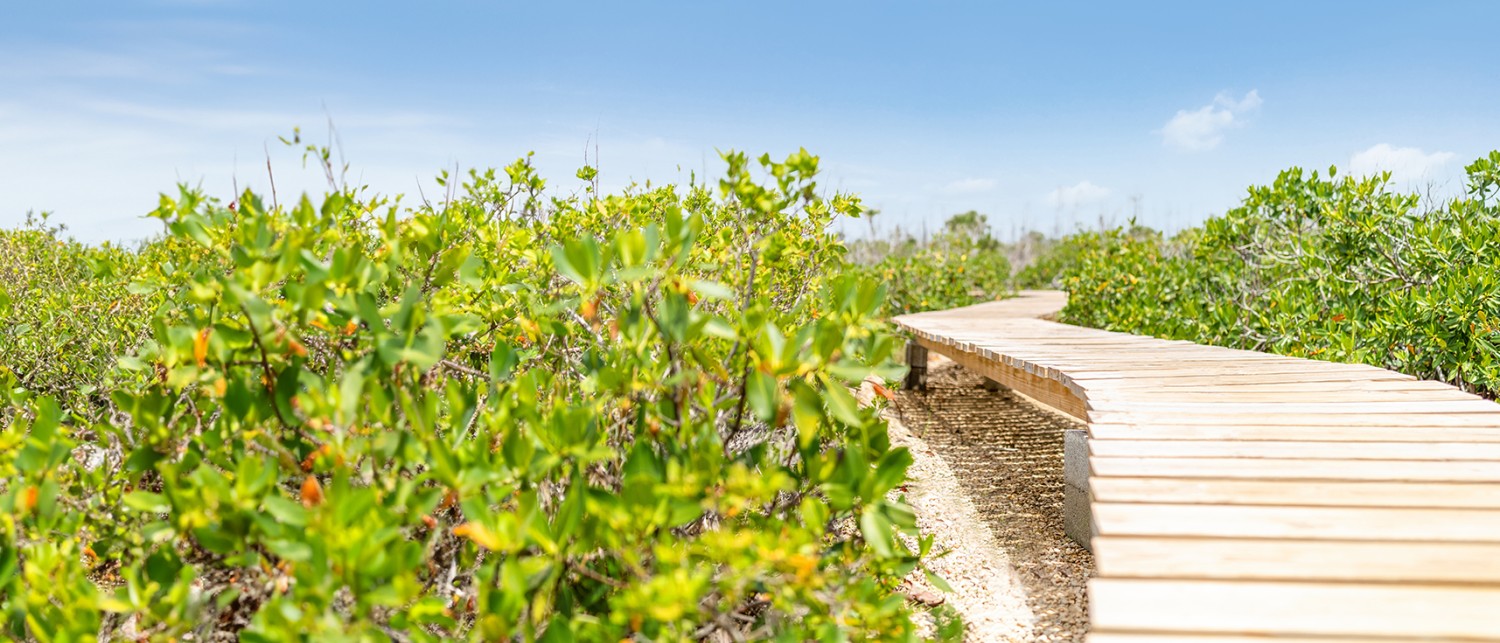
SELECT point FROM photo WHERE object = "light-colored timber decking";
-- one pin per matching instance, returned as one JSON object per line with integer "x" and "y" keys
{"x": 1242, "y": 496}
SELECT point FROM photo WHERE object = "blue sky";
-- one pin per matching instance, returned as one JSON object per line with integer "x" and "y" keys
{"x": 1041, "y": 115}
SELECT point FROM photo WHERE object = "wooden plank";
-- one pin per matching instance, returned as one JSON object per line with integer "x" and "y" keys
{"x": 1229, "y": 406}
{"x": 1298, "y": 419}
{"x": 1231, "y": 374}
{"x": 1293, "y": 469}
{"x": 1240, "y": 374}
{"x": 1302, "y": 609}
{"x": 1159, "y": 637}
{"x": 1306, "y": 523}
{"x": 1101, "y": 400}
{"x": 1340, "y": 493}
{"x": 1164, "y": 352}
{"x": 1327, "y": 560}
{"x": 1086, "y": 355}
{"x": 1308, "y": 450}
{"x": 1417, "y": 432}
{"x": 1172, "y": 388}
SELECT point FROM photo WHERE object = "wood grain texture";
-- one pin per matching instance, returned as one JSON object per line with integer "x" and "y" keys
{"x": 1294, "y": 609}
{"x": 1240, "y": 496}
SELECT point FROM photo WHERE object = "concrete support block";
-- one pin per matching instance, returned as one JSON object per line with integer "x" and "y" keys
{"x": 916, "y": 363}
{"x": 1076, "y": 458}
{"x": 1078, "y": 520}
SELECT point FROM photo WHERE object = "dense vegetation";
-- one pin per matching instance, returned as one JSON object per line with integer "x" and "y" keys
{"x": 500, "y": 416}
{"x": 68, "y": 310}
{"x": 961, "y": 265}
{"x": 1322, "y": 266}
{"x": 509, "y": 415}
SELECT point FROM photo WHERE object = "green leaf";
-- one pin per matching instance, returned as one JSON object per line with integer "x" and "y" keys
{"x": 937, "y": 581}
{"x": 286, "y": 511}
{"x": 711, "y": 290}
{"x": 579, "y": 260}
{"x": 764, "y": 397}
{"x": 841, "y": 404}
{"x": 877, "y": 531}
{"x": 292, "y": 550}
{"x": 890, "y": 471}
{"x": 503, "y": 362}
{"x": 147, "y": 502}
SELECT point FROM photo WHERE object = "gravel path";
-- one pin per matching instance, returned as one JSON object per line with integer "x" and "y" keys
{"x": 987, "y": 484}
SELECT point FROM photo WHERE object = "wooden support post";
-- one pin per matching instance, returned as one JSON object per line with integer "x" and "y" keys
{"x": 916, "y": 363}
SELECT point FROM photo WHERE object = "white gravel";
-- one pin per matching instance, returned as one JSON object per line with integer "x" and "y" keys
{"x": 986, "y": 484}
{"x": 987, "y": 592}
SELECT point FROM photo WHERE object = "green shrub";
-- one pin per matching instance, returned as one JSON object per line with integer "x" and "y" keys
{"x": 1336, "y": 268}
{"x": 499, "y": 417}
{"x": 65, "y": 310}
{"x": 68, "y": 310}
{"x": 960, "y": 266}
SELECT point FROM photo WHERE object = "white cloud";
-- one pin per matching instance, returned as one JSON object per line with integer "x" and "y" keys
{"x": 969, "y": 186}
{"x": 1203, "y": 128}
{"x": 1082, "y": 193}
{"x": 1406, "y": 164}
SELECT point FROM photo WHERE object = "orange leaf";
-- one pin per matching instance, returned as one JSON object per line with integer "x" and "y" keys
{"x": 312, "y": 458}
{"x": 297, "y": 347}
{"x": 882, "y": 391}
{"x": 29, "y": 500}
{"x": 312, "y": 492}
{"x": 1339, "y": 317}
{"x": 200, "y": 346}
{"x": 803, "y": 565}
{"x": 480, "y": 534}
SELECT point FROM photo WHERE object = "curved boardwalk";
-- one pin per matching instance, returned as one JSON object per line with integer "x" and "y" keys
{"x": 1243, "y": 496}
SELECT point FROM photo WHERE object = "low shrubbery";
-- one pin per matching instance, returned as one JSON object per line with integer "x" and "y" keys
{"x": 504, "y": 416}
{"x": 959, "y": 266}
{"x": 69, "y": 310}
{"x": 1328, "y": 267}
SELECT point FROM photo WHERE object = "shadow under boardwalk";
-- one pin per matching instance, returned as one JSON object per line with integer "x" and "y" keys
{"x": 1008, "y": 458}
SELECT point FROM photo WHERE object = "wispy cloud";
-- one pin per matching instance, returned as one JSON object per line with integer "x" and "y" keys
{"x": 1203, "y": 128}
{"x": 968, "y": 186}
{"x": 172, "y": 63}
{"x": 1406, "y": 164}
{"x": 1081, "y": 193}
{"x": 125, "y": 152}
{"x": 269, "y": 121}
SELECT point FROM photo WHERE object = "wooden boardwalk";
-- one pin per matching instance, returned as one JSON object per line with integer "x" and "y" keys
{"x": 1241, "y": 496}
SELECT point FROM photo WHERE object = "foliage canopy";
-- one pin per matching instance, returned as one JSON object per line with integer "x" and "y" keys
{"x": 502, "y": 416}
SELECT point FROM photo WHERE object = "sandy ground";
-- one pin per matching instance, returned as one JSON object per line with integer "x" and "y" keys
{"x": 987, "y": 483}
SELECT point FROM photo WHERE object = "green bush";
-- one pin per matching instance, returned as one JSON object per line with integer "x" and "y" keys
{"x": 960, "y": 266}
{"x": 1338, "y": 268}
{"x": 65, "y": 310}
{"x": 500, "y": 417}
